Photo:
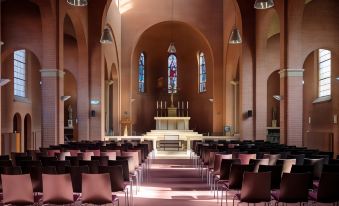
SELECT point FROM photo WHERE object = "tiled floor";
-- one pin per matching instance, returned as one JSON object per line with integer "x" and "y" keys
{"x": 174, "y": 182}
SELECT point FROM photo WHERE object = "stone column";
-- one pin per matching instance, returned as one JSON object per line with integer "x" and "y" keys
{"x": 291, "y": 106}
{"x": 52, "y": 107}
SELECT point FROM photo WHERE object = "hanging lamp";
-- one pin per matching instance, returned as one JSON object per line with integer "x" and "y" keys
{"x": 107, "y": 36}
{"x": 263, "y": 4}
{"x": 171, "y": 49}
{"x": 235, "y": 37}
{"x": 77, "y": 2}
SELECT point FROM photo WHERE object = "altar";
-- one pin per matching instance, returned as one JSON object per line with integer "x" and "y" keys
{"x": 172, "y": 123}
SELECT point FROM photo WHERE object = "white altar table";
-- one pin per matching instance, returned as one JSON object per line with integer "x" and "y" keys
{"x": 172, "y": 123}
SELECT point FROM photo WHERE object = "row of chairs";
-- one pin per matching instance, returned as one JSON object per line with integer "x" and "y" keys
{"x": 58, "y": 190}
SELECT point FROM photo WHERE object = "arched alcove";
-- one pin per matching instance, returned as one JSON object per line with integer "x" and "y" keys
{"x": 70, "y": 106}
{"x": 188, "y": 42}
{"x": 273, "y": 102}
{"x": 27, "y": 132}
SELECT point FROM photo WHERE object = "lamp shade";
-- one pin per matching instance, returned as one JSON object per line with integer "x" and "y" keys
{"x": 235, "y": 37}
{"x": 263, "y": 4}
{"x": 107, "y": 36}
{"x": 171, "y": 48}
{"x": 77, "y": 2}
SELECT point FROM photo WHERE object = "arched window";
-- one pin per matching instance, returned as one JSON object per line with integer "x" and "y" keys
{"x": 142, "y": 73}
{"x": 324, "y": 63}
{"x": 202, "y": 73}
{"x": 172, "y": 74}
{"x": 20, "y": 73}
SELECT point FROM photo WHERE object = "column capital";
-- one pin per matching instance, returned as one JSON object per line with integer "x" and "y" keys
{"x": 291, "y": 73}
{"x": 52, "y": 73}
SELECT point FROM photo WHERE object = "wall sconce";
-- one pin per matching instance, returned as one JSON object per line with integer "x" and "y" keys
{"x": 211, "y": 100}
{"x": 64, "y": 98}
{"x": 3, "y": 82}
{"x": 95, "y": 101}
{"x": 278, "y": 97}
{"x": 337, "y": 78}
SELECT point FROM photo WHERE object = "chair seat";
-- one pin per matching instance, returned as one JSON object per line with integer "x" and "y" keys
{"x": 315, "y": 184}
{"x": 313, "y": 195}
{"x": 275, "y": 194}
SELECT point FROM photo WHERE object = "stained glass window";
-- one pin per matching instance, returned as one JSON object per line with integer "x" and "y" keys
{"x": 142, "y": 73}
{"x": 202, "y": 73}
{"x": 172, "y": 74}
{"x": 20, "y": 73}
{"x": 324, "y": 72}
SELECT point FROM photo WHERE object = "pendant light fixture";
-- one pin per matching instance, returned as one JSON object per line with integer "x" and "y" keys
{"x": 235, "y": 37}
{"x": 107, "y": 36}
{"x": 263, "y": 4}
{"x": 171, "y": 49}
{"x": 77, "y": 2}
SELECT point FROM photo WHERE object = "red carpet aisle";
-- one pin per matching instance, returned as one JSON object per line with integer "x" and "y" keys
{"x": 174, "y": 182}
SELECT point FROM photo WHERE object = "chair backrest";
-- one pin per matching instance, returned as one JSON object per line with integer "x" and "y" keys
{"x": 96, "y": 152}
{"x": 87, "y": 155}
{"x": 74, "y": 160}
{"x": 92, "y": 164}
{"x": 19, "y": 159}
{"x": 110, "y": 155}
{"x": 52, "y": 152}
{"x": 103, "y": 160}
{"x": 11, "y": 170}
{"x": 245, "y": 158}
{"x": 6, "y": 163}
{"x": 225, "y": 167}
{"x": 304, "y": 169}
{"x": 74, "y": 152}
{"x": 47, "y": 161}
{"x": 217, "y": 160}
{"x": 258, "y": 162}
{"x": 328, "y": 188}
{"x": 96, "y": 189}
{"x": 76, "y": 176}
{"x": 236, "y": 175}
{"x": 256, "y": 187}
{"x": 4, "y": 157}
{"x": 287, "y": 164}
{"x": 17, "y": 189}
{"x": 318, "y": 166}
{"x": 61, "y": 165}
{"x": 211, "y": 159}
{"x": 273, "y": 158}
{"x": 30, "y": 163}
{"x": 63, "y": 155}
{"x": 331, "y": 168}
{"x": 134, "y": 155}
{"x": 275, "y": 174}
{"x": 116, "y": 176}
{"x": 117, "y": 151}
{"x": 57, "y": 189}
{"x": 294, "y": 187}
{"x": 124, "y": 164}
{"x": 299, "y": 158}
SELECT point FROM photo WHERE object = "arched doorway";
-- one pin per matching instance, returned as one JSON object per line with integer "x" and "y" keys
{"x": 70, "y": 107}
{"x": 27, "y": 132}
{"x": 16, "y": 133}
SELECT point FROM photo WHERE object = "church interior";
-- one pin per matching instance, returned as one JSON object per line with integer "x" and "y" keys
{"x": 171, "y": 102}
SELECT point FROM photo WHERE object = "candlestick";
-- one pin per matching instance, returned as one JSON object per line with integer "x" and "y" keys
{"x": 157, "y": 104}
{"x": 161, "y": 104}
{"x": 187, "y": 105}
{"x": 182, "y": 103}
{"x": 178, "y": 105}
{"x": 165, "y": 104}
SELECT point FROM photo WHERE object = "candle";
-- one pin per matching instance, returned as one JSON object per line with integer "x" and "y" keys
{"x": 157, "y": 104}
{"x": 178, "y": 105}
{"x": 161, "y": 104}
{"x": 165, "y": 104}
{"x": 182, "y": 103}
{"x": 187, "y": 105}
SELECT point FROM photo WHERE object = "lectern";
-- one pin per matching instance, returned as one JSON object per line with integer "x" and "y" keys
{"x": 125, "y": 125}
